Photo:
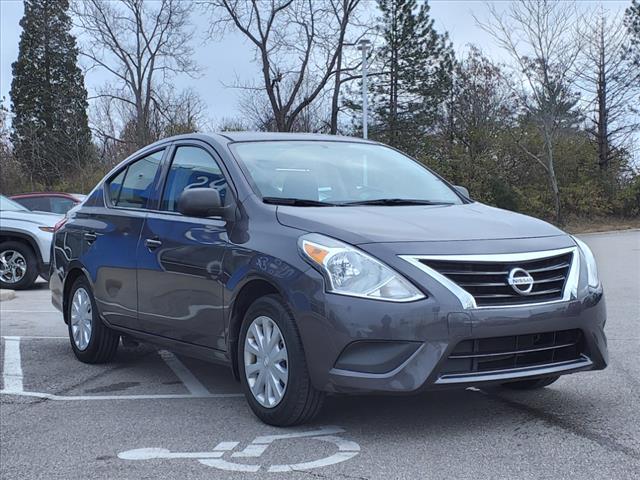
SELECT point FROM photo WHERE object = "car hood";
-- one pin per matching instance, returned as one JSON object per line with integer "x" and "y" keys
{"x": 38, "y": 218}
{"x": 420, "y": 223}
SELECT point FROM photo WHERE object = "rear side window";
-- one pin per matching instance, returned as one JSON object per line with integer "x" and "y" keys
{"x": 61, "y": 205}
{"x": 38, "y": 204}
{"x": 133, "y": 186}
{"x": 192, "y": 167}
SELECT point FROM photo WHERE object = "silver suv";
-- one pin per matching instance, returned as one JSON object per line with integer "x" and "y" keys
{"x": 25, "y": 244}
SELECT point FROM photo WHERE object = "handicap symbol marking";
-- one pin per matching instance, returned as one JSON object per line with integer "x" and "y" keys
{"x": 347, "y": 449}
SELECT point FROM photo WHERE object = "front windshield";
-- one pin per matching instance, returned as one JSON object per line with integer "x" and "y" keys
{"x": 6, "y": 204}
{"x": 338, "y": 172}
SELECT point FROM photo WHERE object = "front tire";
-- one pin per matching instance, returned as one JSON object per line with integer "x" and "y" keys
{"x": 18, "y": 266}
{"x": 273, "y": 368}
{"x": 533, "y": 384}
{"x": 91, "y": 340}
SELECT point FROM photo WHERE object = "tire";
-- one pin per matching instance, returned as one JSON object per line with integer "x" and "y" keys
{"x": 300, "y": 401}
{"x": 21, "y": 261}
{"x": 97, "y": 344}
{"x": 533, "y": 384}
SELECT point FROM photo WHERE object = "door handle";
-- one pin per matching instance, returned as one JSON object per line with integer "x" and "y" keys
{"x": 90, "y": 237}
{"x": 152, "y": 243}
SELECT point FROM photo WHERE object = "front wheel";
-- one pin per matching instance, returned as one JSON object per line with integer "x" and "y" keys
{"x": 18, "y": 266}
{"x": 273, "y": 369}
{"x": 534, "y": 384}
{"x": 91, "y": 340}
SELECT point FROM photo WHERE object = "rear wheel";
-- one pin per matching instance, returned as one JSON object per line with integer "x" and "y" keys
{"x": 273, "y": 369}
{"x": 18, "y": 266}
{"x": 91, "y": 340}
{"x": 531, "y": 384}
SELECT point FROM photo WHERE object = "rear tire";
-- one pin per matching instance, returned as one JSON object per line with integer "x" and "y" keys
{"x": 300, "y": 402}
{"x": 18, "y": 266}
{"x": 91, "y": 340}
{"x": 531, "y": 384}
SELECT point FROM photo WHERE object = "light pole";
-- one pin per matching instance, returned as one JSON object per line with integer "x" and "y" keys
{"x": 363, "y": 46}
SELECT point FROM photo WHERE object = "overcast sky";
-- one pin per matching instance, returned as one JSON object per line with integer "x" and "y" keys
{"x": 225, "y": 61}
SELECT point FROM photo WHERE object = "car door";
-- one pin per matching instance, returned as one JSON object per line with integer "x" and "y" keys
{"x": 112, "y": 232}
{"x": 180, "y": 291}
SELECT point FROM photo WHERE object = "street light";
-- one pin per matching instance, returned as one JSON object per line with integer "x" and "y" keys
{"x": 364, "y": 45}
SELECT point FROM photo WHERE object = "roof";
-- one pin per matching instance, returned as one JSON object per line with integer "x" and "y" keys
{"x": 46, "y": 194}
{"x": 257, "y": 136}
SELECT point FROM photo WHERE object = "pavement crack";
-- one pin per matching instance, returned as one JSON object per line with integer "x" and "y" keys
{"x": 329, "y": 475}
{"x": 101, "y": 373}
{"x": 558, "y": 421}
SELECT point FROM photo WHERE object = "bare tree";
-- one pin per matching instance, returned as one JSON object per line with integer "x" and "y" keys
{"x": 610, "y": 83}
{"x": 143, "y": 45}
{"x": 11, "y": 179}
{"x": 538, "y": 36}
{"x": 182, "y": 113}
{"x": 255, "y": 107}
{"x": 290, "y": 37}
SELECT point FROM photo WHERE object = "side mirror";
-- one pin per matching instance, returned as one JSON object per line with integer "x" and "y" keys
{"x": 462, "y": 190}
{"x": 200, "y": 202}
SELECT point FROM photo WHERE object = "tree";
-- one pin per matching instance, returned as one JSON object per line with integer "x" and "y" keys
{"x": 477, "y": 115}
{"x": 50, "y": 128}
{"x": 537, "y": 37}
{"x": 610, "y": 83}
{"x": 632, "y": 22}
{"x": 480, "y": 104}
{"x": 291, "y": 40}
{"x": 413, "y": 73}
{"x": 142, "y": 45}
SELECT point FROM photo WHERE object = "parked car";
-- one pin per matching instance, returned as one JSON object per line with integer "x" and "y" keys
{"x": 314, "y": 264}
{"x": 25, "y": 244}
{"x": 54, "y": 202}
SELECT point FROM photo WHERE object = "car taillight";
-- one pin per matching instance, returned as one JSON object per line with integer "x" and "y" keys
{"x": 47, "y": 229}
{"x": 59, "y": 225}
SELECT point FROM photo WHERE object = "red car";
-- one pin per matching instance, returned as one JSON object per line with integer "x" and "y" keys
{"x": 55, "y": 202}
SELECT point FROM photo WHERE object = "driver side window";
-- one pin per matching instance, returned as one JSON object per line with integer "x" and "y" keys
{"x": 192, "y": 167}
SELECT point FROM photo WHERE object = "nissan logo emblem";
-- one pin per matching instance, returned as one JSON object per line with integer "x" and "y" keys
{"x": 520, "y": 281}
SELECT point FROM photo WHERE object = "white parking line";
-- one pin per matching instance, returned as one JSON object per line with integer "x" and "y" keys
{"x": 12, "y": 369}
{"x": 51, "y": 396}
{"x": 184, "y": 374}
{"x": 12, "y": 379}
{"x": 2, "y": 310}
{"x": 46, "y": 337}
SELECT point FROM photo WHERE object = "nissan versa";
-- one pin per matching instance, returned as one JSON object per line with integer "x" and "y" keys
{"x": 318, "y": 264}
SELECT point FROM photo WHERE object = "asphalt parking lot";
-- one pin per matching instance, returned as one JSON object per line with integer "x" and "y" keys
{"x": 151, "y": 414}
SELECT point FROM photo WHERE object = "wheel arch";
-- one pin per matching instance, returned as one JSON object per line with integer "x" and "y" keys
{"x": 72, "y": 275}
{"x": 248, "y": 293}
{"x": 11, "y": 236}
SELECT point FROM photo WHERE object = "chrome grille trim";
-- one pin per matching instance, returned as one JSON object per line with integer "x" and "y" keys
{"x": 468, "y": 301}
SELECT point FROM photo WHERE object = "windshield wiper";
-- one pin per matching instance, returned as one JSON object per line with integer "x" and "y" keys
{"x": 396, "y": 201}
{"x": 296, "y": 202}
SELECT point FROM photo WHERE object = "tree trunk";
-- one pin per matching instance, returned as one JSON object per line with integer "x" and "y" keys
{"x": 335, "y": 107}
{"x": 553, "y": 181}
{"x": 602, "y": 124}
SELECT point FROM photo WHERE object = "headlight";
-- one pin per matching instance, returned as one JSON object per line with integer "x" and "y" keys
{"x": 590, "y": 260}
{"x": 350, "y": 271}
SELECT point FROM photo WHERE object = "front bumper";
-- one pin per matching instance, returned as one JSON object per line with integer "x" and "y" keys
{"x": 335, "y": 323}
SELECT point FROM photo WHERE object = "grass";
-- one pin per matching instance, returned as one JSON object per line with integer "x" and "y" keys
{"x": 605, "y": 224}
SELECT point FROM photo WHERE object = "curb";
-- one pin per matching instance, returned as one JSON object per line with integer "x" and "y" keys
{"x": 609, "y": 232}
{"x": 7, "y": 295}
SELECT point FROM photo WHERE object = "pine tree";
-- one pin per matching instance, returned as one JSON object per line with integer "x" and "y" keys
{"x": 415, "y": 65}
{"x": 632, "y": 22}
{"x": 51, "y": 136}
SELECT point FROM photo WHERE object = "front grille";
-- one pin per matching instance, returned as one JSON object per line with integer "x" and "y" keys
{"x": 515, "y": 351}
{"x": 487, "y": 281}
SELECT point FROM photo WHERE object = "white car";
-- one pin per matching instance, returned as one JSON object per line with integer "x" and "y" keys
{"x": 25, "y": 244}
